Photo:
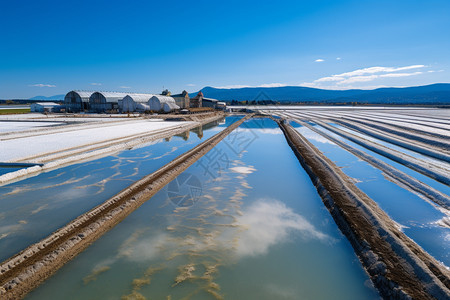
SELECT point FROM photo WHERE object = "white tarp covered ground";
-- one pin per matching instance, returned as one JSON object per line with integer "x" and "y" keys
{"x": 20, "y": 126}
{"x": 14, "y": 149}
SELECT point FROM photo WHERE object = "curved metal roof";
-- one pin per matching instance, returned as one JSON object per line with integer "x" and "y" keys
{"x": 84, "y": 95}
{"x": 139, "y": 98}
{"x": 108, "y": 96}
{"x": 163, "y": 99}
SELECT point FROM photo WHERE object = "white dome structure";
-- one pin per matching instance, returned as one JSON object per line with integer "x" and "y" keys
{"x": 157, "y": 102}
{"x": 170, "y": 107}
{"x": 135, "y": 102}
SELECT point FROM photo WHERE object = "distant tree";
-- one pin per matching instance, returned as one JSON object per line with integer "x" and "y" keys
{"x": 9, "y": 102}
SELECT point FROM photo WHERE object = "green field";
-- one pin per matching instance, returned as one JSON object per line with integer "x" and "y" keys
{"x": 11, "y": 111}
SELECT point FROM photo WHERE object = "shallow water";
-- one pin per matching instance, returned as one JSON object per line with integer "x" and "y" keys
{"x": 393, "y": 147}
{"x": 416, "y": 216}
{"x": 33, "y": 208}
{"x": 4, "y": 170}
{"x": 244, "y": 222}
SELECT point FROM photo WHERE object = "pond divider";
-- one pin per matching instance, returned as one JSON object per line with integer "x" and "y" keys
{"x": 29, "y": 268}
{"x": 398, "y": 267}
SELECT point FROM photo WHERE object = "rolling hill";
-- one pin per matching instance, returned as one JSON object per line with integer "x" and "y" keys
{"x": 428, "y": 94}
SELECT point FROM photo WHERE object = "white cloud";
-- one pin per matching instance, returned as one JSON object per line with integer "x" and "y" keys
{"x": 364, "y": 75}
{"x": 338, "y": 58}
{"x": 345, "y": 80}
{"x": 42, "y": 85}
{"x": 190, "y": 84}
{"x": 271, "y": 222}
{"x": 95, "y": 83}
{"x": 125, "y": 87}
{"x": 319, "y": 60}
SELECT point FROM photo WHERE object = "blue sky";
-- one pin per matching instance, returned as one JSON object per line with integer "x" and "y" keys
{"x": 51, "y": 47}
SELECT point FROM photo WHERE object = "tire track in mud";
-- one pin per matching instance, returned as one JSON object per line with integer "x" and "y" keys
{"x": 29, "y": 268}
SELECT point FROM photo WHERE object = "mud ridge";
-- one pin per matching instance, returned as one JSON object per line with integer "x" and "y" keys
{"x": 398, "y": 267}
{"x": 29, "y": 268}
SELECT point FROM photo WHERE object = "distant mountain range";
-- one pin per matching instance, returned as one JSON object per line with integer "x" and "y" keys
{"x": 51, "y": 98}
{"x": 429, "y": 94}
{"x": 438, "y": 93}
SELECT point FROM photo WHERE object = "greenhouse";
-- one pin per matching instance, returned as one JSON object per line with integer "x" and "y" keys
{"x": 105, "y": 101}
{"x": 135, "y": 102}
{"x": 77, "y": 101}
{"x": 157, "y": 102}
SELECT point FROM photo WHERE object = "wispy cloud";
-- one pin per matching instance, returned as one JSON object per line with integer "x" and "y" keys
{"x": 95, "y": 83}
{"x": 319, "y": 60}
{"x": 364, "y": 75}
{"x": 42, "y": 85}
{"x": 338, "y": 58}
{"x": 125, "y": 87}
{"x": 190, "y": 84}
{"x": 347, "y": 79}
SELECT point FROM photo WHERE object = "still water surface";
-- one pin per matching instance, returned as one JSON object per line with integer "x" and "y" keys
{"x": 417, "y": 217}
{"x": 33, "y": 208}
{"x": 244, "y": 222}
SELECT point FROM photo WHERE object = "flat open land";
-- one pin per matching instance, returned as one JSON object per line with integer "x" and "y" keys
{"x": 289, "y": 202}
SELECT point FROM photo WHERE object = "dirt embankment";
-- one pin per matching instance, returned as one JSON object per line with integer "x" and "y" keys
{"x": 29, "y": 268}
{"x": 398, "y": 267}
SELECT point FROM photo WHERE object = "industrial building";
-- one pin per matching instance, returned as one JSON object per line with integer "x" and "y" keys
{"x": 45, "y": 107}
{"x": 105, "y": 101}
{"x": 182, "y": 100}
{"x": 82, "y": 101}
{"x": 208, "y": 102}
{"x": 77, "y": 101}
{"x": 197, "y": 100}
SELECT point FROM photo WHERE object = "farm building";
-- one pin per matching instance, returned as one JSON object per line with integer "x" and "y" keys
{"x": 105, "y": 101}
{"x": 197, "y": 100}
{"x": 170, "y": 107}
{"x": 182, "y": 100}
{"x": 157, "y": 102}
{"x": 45, "y": 107}
{"x": 208, "y": 102}
{"x": 76, "y": 101}
{"x": 135, "y": 102}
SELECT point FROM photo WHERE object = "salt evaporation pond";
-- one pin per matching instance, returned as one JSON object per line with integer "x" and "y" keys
{"x": 244, "y": 222}
{"x": 33, "y": 208}
{"x": 4, "y": 170}
{"x": 417, "y": 217}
